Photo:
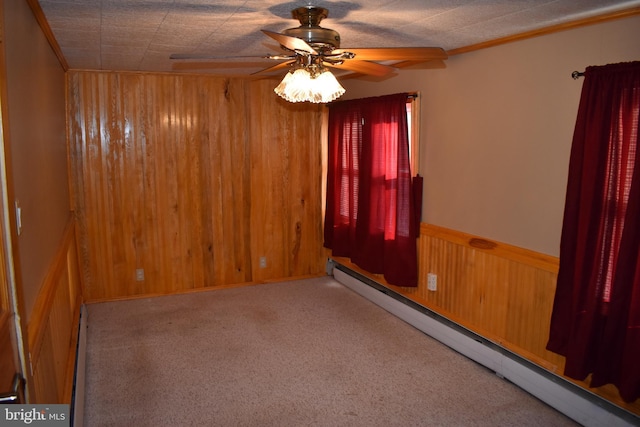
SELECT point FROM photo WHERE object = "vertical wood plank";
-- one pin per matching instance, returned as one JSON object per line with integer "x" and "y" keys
{"x": 193, "y": 179}
{"x": 286, "y": 173}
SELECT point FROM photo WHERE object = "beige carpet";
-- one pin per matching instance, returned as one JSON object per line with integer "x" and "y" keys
{"x": 299, "y": 353}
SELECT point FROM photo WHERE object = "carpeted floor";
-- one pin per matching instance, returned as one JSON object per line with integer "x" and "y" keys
{"x": 299, "y": 353}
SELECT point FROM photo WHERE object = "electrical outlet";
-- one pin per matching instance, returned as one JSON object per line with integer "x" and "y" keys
{"x": 432, "y": 281}
{"x": 140, "y": 275}
{"x": 263, "y": 262}
{"x": 18, "y": 217}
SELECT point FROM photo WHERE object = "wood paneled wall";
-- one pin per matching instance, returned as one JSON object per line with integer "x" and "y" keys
{"x": 193, "y": 179}
{"x": 53, "y": 326}
{"x": 502, "y": 292}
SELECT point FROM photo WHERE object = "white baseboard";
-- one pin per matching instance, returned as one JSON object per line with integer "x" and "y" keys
{"x": 578, "y": 404}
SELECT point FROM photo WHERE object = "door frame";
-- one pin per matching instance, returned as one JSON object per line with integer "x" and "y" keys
{"x": 9, "y": 255}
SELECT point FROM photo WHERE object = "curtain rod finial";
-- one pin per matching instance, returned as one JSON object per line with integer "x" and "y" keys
{"x": 576, "y": 75}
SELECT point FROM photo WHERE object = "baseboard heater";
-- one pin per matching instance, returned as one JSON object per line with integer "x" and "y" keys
{"x": 77, "y": 397}
{"x": 575, "y": 402}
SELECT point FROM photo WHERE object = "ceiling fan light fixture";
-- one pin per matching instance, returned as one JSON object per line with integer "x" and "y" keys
{"x": 327, "y": 87}
{"x": 303, "y": 85}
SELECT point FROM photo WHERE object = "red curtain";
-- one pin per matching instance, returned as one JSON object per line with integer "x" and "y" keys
{"x": 371, "y": 216}
{"x": 596, "y": 315}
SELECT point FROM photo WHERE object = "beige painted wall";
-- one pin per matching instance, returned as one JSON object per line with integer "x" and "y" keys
{"x": 37, "y": 144}
{"x": 496, "y": 130}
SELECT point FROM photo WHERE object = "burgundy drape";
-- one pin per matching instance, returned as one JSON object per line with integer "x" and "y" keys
{"x": 370, "y": 214}
{"x": 596, "y": 315}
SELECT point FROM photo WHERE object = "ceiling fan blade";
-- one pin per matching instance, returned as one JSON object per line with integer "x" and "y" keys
{"x": 395, "y": 53}
{"x": 364, "y": 67}
{"x": 275, "y": 67}
{"x": 197, "y": 56}
{"x": 292, "y": 43}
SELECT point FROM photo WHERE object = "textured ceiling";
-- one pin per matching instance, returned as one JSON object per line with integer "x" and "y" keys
{"x": 142, "y": 34}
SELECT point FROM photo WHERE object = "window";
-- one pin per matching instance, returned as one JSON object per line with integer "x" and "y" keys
{"x": 371, "y": 213}
{"x": 413, "y": 122}
{"x": 413, "y": 125}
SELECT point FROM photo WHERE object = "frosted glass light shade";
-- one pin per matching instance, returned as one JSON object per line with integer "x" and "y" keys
{"x": 301, "y": 86}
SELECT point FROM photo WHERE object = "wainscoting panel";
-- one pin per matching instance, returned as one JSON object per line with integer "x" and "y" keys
{"x": 501, "y": 291}
{"x": 53, "y": 325}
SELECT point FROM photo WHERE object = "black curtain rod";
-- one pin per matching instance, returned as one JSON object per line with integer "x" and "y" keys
{"x": 577, "y": 74}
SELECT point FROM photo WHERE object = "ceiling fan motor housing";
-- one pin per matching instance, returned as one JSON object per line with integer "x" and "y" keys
{"x": 310, "y": 30}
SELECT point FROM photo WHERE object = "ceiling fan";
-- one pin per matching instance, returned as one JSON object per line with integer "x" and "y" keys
{"x": 313, "y": 48}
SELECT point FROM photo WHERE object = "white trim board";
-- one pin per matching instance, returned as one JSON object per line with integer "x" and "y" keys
{"x": 576, "y": 403}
